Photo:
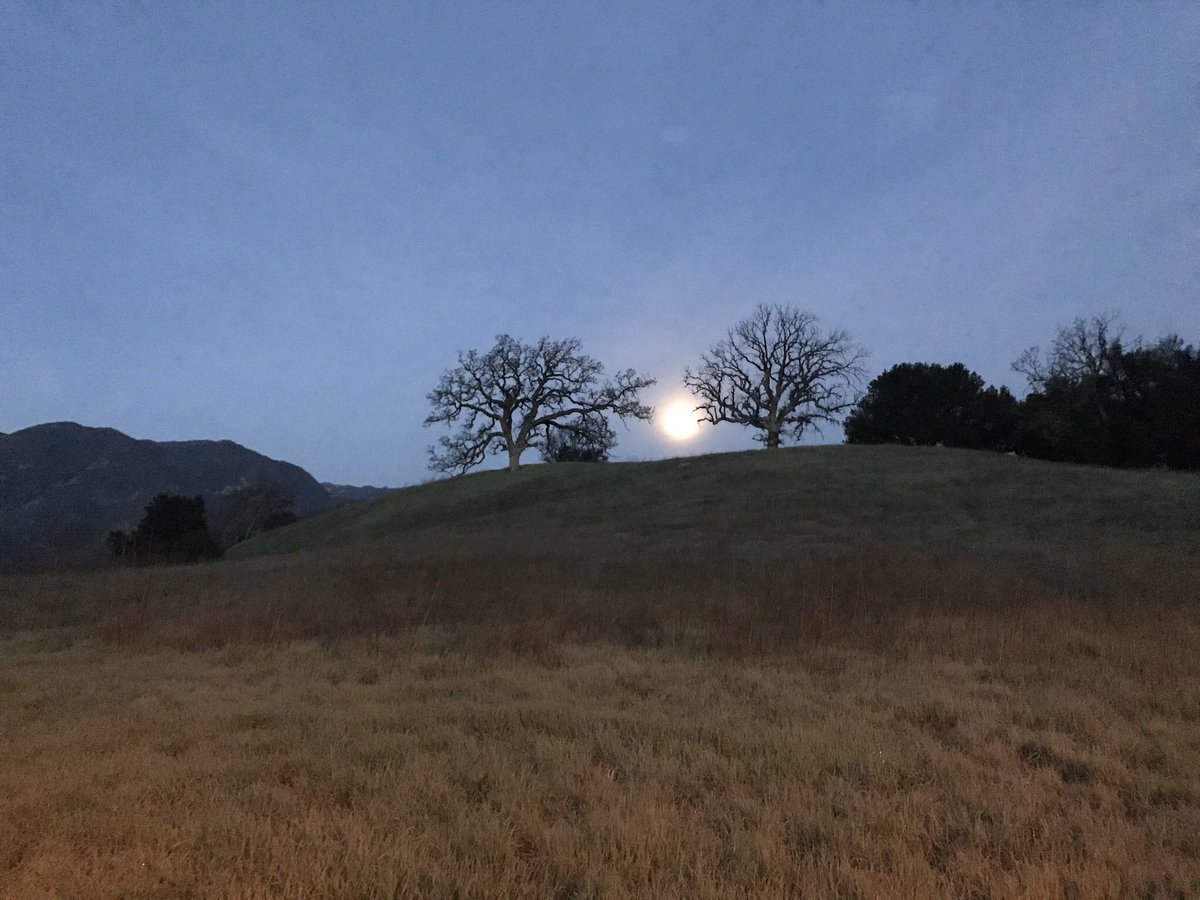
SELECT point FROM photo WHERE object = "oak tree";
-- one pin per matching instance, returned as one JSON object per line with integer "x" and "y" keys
{"x": 928, "y": 403}
{"x": 511, "y": 397}
{"x": 779, "y": 373}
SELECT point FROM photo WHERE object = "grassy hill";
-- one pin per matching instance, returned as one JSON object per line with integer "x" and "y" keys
{"x": 748, "y": 549}
{"x": 820, "y": 672}
{"x": 762, "y": 503}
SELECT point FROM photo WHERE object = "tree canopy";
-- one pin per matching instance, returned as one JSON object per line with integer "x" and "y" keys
{"x": 927, "y": 403}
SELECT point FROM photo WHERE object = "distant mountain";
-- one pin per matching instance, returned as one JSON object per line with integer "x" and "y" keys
{"x": 64, "y": 486}
{"x": 341, "y": 494}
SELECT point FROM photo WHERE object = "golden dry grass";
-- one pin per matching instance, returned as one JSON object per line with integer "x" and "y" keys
{"x": 1051, "y": 752}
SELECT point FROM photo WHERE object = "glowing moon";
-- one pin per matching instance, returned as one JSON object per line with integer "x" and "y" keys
{"x": 678, "y": 421}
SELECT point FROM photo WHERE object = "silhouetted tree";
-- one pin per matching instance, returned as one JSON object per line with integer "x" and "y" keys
{"x": 173, "y": 530}
{"x": 1083, "y": 351}
{"x": 1158, "y": 420}
{"x": 510, "y": 398}
{"x": 777, "y": 372}
{"x": 120, "y": 543}
{"x": 586, "y": 439}
{"x": 1092, "y": 400}
{"x": 927, "y": 403}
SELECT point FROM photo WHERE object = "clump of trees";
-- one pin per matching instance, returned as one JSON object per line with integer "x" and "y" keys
{"x": 778, "y": 373}
{"x": 1093, "y": 398}
{"x": 176, "y": 529}
{"x": 517, "y": 396}
{"x": 927, "y": 403}
{"x": 173, "y": 530}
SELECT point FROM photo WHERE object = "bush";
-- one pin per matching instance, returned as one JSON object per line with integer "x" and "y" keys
{"x": 173, "y": 530}
{"x": 927, "y": 403}
{"x": 584, "y": 440}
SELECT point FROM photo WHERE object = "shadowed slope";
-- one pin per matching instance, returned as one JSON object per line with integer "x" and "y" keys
{"x": 756, "y": 503}
{"x": 752, "y": 550}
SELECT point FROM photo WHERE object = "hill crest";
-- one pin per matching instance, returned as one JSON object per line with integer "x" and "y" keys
{"x": 798, "y": 499}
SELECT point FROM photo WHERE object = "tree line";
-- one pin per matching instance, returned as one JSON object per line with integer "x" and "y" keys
{"x": 1094, "y": 397}
{"x": 176, "y": 529}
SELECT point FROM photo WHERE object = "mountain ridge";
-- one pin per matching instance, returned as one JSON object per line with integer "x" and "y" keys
{"x": 64, "y": 486}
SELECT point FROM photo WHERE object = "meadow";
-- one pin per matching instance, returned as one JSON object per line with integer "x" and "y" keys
{"x": 825, "y": 672}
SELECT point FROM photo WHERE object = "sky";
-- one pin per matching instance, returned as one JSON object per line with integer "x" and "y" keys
{"x": 278, "y": 223}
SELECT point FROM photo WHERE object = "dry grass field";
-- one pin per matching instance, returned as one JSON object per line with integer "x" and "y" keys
{"x": 1000, "y": 700}
{"x": 1052, "y": 754}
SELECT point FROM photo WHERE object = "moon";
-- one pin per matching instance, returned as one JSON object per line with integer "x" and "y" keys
{"x": 678, "y": 421}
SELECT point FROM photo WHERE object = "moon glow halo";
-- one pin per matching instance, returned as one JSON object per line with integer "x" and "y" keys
{"x": 678, "y": 421}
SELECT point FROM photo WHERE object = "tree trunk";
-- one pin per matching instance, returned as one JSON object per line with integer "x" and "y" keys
{"x": 772, "y": 439}
{"x": 514, "y": 458}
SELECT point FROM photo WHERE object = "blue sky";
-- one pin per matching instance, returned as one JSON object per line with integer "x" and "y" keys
{"x": 277, "y": 223}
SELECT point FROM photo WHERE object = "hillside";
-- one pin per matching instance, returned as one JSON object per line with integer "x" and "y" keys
{"x": 831, "y": 671}
{"x": 341, "y": 494}
{"x": 758, "y": 504}
{"x": 820, "y": 672}
{"x": 64, "y": 486}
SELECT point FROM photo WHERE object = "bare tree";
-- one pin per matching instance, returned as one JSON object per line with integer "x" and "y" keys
{"x": 510, "y": 398}
{"x": 1085, "y": 349}
{"x": 777, "y": 372}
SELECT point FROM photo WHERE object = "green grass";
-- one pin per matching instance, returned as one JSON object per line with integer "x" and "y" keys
{"x": 762, "y": 504}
